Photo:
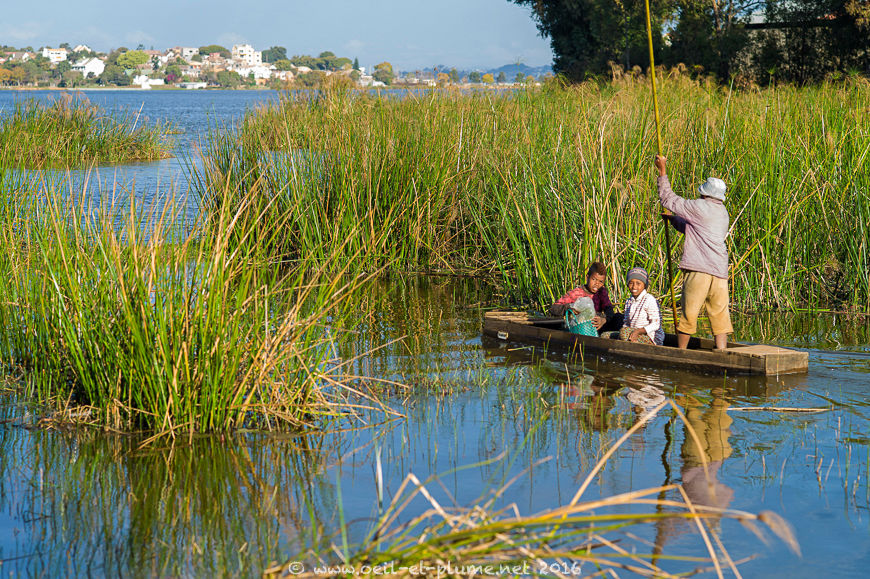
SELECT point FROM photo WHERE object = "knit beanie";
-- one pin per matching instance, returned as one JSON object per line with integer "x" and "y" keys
{"x": 639, "y": 274}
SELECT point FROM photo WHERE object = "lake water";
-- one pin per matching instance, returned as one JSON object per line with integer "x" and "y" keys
{"x": 88, "y": 503}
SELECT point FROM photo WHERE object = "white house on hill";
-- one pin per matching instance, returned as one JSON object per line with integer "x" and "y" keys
{"x": 247, "y": 54}
{"x": 54, "y": 55}
{"x": 87, "y": 66}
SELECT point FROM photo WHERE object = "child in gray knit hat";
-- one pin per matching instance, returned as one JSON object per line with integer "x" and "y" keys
{"x": 643, "y": 317}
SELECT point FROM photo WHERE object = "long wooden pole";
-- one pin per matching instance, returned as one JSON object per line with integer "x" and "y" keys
{"x": 652, "y": 75}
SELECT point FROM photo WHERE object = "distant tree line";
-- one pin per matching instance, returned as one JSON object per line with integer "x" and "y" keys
{"x": 762, "y": 40}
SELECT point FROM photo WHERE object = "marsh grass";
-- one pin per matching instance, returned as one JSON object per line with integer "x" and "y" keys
{"x": 69, "y": 131}
{"x": 589, "y": 537}
{"x": 532, "y": 185}
{"x": 138, "y": 327}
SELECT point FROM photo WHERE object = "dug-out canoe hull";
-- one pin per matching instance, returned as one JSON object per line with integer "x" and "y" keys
{"x": 701, "y": 355}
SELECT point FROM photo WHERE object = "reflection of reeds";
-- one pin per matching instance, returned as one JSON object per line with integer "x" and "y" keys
{"x": 70, "y": 132}
{"x": 533, "y": 185}
{"x": 584, "y": 536}
{"x": 147, "y": 328}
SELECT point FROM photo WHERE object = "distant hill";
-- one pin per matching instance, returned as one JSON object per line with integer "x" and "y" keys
{"x": 510, "y": 70}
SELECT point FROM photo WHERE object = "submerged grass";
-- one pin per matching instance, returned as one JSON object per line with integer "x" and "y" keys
{"x": 69, "y": 131}
{"x": 141, "y": 327}
{"x": 532, "y": 185}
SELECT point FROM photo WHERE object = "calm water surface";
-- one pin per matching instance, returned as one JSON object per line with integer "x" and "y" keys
{"x": 87, "y": 503}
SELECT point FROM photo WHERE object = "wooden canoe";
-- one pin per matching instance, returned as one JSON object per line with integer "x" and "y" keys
{"x": 701, "y": 355}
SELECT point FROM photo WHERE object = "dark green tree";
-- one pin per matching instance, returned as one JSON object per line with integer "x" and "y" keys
{"x": 211, "y": 48}
{"x": 501, "y": 78}
{"x": 709, "y": 36}
{"x": 808, "y": 40}
{"x": 474, "y": 76}
{"x": 383, "y": 72}
{"x": 588, "y": 35}
{"x": 229, "y": 79}
{"x": 355, "y": 63}
{"x": 274, "y": 54}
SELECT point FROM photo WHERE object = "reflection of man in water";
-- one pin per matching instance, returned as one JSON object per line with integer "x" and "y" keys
{"x": 712, "y": 425}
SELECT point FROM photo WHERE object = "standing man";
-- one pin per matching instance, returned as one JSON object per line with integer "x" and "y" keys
{"x": 704, "y": 222}
{"x": 605, "y": 318}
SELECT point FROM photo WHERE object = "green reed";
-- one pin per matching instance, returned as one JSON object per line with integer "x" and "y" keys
{"x": 533, "y": 185}
{"x": 134, "y": 325}
{"x": 70, "y": 132}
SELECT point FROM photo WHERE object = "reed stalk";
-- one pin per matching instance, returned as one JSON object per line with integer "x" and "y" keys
{"x": 532, "y": 185}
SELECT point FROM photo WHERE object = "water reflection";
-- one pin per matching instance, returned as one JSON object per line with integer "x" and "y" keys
{"x": 88, "y": 503}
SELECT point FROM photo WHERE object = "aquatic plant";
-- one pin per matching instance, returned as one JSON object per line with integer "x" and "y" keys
{"x": 69, "y": 131}
{"x": 532, "y": 185}
{"x": 137, "y": 325}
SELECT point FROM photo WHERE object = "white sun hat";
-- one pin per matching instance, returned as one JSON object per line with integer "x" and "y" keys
{"x": 714, "y": 188}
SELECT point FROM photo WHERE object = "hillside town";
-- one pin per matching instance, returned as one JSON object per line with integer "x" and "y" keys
{"x": 215, "y": 66}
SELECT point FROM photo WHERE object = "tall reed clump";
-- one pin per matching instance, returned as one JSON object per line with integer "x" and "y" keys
{"x": 143, "y": 328}
{"x": 535, "y": 184}
{"x": 69, "y": 131}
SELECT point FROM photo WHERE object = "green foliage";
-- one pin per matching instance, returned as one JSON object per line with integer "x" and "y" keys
{"x": 283, "y": 64}
{"x": 501, "y": 78}
{"x": 804, "y": 40}
{"x": 274, "y": 54}
{"x": 587, "y": 35}
{"x": 212, "y": 48}
{"x": 115, "y": 74}
{"x": 132, "y": 59}
{"x": 812, "y": 40}
{"x": 229, "y": 79}
{"x": 393, "y": 180}
{"x": 383, "y": 72}
{"x": 143, "y": 328}
{"x": 71, "y": 132}
{"x": 474, "y": 76}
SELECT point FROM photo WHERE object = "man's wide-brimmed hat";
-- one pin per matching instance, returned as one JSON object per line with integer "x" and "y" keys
{"x": 714, "y": 188}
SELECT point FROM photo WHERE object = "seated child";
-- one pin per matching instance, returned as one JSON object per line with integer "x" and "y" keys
{"x": 643, "y": 319}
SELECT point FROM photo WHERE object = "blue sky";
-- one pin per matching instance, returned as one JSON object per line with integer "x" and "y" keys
{"x": 410, "y": 34}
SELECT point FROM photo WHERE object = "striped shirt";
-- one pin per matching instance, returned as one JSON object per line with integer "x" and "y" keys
{"x": 643, "y": 312}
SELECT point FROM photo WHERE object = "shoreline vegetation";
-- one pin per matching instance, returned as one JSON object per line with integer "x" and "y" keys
{"x": 119, "y": 319}
{"x": 137, "y": 325}
{"x": 70, "y": 132}
{"x": 234, "y": 323}
{"x": 531, "y": 186}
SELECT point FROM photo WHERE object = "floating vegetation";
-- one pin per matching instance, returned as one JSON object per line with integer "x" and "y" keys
{"x": 69, "y": 131}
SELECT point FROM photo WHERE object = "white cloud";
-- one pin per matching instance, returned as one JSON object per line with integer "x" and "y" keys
{"x": 228, "y": 39}
{"x": 23, "y": 32}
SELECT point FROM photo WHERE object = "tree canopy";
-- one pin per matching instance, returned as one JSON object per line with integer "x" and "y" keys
{"x": 796, "y": 40}
{"x": 274, "y": 54}
{"x": 132, "y": 59}
{"x": 212, "y": 48}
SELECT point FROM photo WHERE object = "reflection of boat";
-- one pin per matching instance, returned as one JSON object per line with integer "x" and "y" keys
{"x": 701, "y": 354}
